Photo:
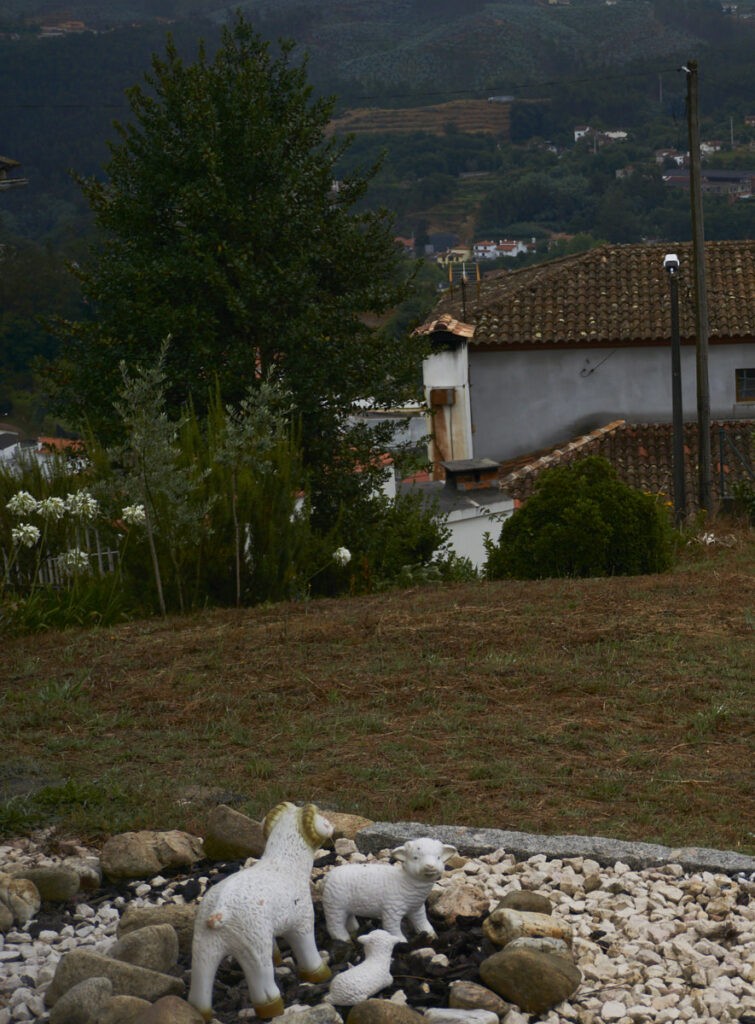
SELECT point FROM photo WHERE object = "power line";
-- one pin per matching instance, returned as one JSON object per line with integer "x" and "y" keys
{"x": 525, "y": 86}
{"x": 475, "y": 93}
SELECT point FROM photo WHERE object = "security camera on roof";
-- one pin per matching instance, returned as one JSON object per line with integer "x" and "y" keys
{"x": 671, "y": 262}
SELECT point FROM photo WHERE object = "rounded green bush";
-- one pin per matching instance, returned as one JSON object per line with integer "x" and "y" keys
{"x": 583, "y": 520}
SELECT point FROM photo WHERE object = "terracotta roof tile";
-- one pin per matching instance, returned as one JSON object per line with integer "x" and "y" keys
{"x": 642, "y": 456}
{"x": 615, "y": 294}
{"x": 447, "y": 323}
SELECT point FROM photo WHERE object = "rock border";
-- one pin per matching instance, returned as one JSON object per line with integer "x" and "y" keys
{"x": 474, "y": 842}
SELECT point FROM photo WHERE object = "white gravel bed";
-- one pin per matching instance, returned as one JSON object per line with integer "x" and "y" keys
{"x": 658, "y": 944}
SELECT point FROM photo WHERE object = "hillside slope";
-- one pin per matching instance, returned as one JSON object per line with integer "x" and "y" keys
{"x": 503, "y": 44}
{"x": 619, "y": 707}
{"x": 401, "y": 47}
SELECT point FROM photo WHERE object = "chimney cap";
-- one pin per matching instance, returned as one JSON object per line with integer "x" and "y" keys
{"x": 469, "y": 465}
{"x": 470, "y": 474}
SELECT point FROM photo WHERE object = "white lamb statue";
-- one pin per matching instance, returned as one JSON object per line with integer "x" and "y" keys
{"x": 388, "y": 892}
{"x": 360, "y": 982}
{"x": 244, "y": 914}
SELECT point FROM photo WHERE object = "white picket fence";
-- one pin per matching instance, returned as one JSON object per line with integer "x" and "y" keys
{"x": 52, "y": 572}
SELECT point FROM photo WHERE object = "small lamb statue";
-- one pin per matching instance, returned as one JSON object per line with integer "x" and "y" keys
{"x": 360, "y": 982}
{"x": 388, "y": 892}
{"x": 244, "y": 914}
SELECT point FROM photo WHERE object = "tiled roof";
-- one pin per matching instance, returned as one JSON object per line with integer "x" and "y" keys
{"x": 446, "y": 322}
{"x": 60, "y": 444}
{"x": 448, "y": 499}
{"x": 642, "y": 455}
{"x": 612, "y": 295}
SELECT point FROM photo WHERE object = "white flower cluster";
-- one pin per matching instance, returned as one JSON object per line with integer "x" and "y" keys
{"x": 52, "y": 508}
{"x": 134, "y": 515}
{"x": 342, "y": 556}
{"x": 26, "y": 535}
{"x": 22, "y": 503}
{"x": 82, "y": 505}
{"x": 74, "y": 561}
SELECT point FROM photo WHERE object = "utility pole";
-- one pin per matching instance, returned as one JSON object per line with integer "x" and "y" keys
{"x": 701, "y": 296}
{"x": 671, "y": 266}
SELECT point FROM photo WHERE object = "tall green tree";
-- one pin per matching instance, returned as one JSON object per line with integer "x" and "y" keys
{"x": 221, "y": 226}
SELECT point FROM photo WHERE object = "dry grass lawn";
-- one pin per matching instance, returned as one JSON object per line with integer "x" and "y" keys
{"x": 620, "y": 707}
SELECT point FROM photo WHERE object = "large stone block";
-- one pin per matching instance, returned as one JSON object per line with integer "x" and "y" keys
{"x": 533, "y": 980}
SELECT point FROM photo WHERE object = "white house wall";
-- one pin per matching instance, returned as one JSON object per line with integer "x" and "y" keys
{"x": 524, "y": 401}
{"x": 468, "y": 531}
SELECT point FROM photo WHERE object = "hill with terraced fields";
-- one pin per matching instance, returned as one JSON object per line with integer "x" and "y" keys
{"x": 462, "y": 115}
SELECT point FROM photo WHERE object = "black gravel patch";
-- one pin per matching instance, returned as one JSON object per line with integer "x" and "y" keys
{"x": 424, "y": 983}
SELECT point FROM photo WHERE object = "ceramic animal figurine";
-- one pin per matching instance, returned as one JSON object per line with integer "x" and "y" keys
{"x": 386, "y": 892}
{"x": 244, "y": 914}
{"x": 374, "y": 973}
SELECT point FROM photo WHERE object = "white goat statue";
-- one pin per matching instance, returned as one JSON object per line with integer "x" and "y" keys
{"x": 388, "y": 892}
{"x": 244, "y": 914}
{"x": 360, "y": 982}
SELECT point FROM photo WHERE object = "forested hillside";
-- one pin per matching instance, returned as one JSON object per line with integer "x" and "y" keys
{"x": 520, "y": 173}
{"x": 583, "y": 63}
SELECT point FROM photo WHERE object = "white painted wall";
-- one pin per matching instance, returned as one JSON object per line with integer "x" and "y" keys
{"x": 451, "y": 370}
{"x": 447, "y": 369}
{"x": 469, "y": 526}
{"x": 523, "y": 401}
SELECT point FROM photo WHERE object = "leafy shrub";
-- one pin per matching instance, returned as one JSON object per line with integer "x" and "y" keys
{"x": 210, "y": 510}
{"x": 388, "y": 540}
{"x": 455, "y": 568}
{"x": 90, "y": 601}
{"x": 446, "y": 567}
{"x": 582, "y": 520}
{"x": 406, "y": 532}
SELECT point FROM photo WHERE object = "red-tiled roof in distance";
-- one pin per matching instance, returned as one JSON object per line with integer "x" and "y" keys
{"x": 60, "y": 444}
{"x": 642, "y": 455}
{"x": 613, "y": 295}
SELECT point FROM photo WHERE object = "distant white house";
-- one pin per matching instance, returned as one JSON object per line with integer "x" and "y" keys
{"x": 458, "y": 254}
{"x": 583, "y": 131}
{"x": 16, "y": 454}
{"x": 550, "y": 352}
{"x": 503, "y": 248}
{"x": 674, "y": 156}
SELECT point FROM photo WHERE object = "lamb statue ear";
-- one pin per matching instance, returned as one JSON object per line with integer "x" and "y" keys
{"x": 448, "y": 852}
{"x": 399, "y": 853}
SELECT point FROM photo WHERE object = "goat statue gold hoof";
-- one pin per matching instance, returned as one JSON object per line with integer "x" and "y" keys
{"x": 272, "y": 1009}
{"x": 323, "y": 973}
